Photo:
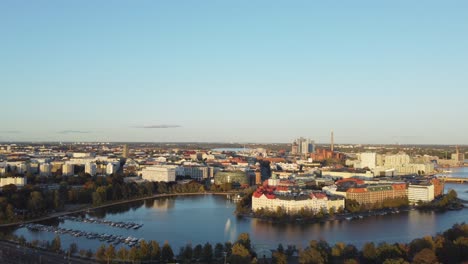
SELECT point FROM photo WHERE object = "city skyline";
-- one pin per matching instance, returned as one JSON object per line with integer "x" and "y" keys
{"x": 375, "y": 73}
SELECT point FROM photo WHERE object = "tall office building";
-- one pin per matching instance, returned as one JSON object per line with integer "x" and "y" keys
{"x": 125, "y": 151}
{"x": 303, "y": 146}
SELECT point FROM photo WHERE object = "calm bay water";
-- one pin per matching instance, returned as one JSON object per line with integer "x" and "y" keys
{"x": 209, "y": 218}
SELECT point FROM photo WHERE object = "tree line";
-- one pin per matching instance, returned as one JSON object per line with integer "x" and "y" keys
{"x": 32, "y": 201}
{"x": 450, "y": 246}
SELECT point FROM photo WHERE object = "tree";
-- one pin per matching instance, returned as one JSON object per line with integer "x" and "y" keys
{"x": 73, "y": 248}
{"x": 240, "y": 254}
{"x": 337, "y": 252}
{"x": 311, "y": 256}
{"x": 101, "y": 253}
{"x": 167, "y": 254}
{"x": 228, "y": 248}
{"x": 144, "y": 250}
{"x": 155, "y": 253}
{"x": 36, "y": 202}
{"x": 388, "y": 251}
{"x": 279, "y": 258}
{"x": 395, "y": 261}
{"x": 425, "y": 256}
{"x": 56, "y": 245}
{"x": 122, "y": 254}
{"x": 244, "y": 239}
{"x": 207, "y": 254}
{"x": 218, "y": 251}
{"x": 133, "y": 254}
{"x": 110, "y": 253}
{"x": 197, "y": 252}
{"x": 419, "y": 244}
{"x": 186, "y": 253}
{"x": 369, "y": 253}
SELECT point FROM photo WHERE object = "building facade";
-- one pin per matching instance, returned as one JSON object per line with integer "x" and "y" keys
{"x": 373, "y": 194}
{"x": 420, "y": 193}
{"x": 159, "y": 173}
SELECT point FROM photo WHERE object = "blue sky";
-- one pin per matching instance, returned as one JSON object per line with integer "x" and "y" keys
{"x": 234, "y": 71}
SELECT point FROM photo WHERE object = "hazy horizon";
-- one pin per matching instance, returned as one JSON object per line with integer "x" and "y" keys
{"x": 206, "y": 71}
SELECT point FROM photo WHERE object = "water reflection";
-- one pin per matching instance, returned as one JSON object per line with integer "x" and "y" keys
{"x": 207, "y": 218}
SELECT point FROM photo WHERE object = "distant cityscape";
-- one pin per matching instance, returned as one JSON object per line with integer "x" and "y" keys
{"x": 341, "y": 170}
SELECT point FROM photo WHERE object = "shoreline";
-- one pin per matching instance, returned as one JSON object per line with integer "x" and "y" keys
{"x": 59, "y": 214}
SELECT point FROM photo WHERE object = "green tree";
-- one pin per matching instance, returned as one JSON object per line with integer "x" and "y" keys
{"x": 167, "y": 254}
{"x": 207, "y": 255}
{"x": 36, "y": 202}
{"x": 155, "y": 250}
{"x": 388, "y": 251}
{"x": 218, "y": 251}
{"x": 197, "y": 252}
{"x": 186, "y": 253}
{"x": 419, "y": 244}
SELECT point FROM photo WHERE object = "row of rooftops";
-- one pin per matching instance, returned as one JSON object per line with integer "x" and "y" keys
{"x": 278, "y": 192}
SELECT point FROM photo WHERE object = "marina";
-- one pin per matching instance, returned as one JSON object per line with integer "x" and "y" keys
{"x": 120, "y": 224}
{"x": 108, "y": 238}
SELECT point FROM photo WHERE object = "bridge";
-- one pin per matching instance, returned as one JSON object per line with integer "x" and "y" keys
{"x": 454, "y": 179}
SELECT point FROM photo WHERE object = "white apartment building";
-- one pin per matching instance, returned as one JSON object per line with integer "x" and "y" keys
{"x": 18, "y": 181}
{"x": 314, "y": 203}
{"x": 91, "y": 168}
{"x": 45, "y": 169}
{"x": 112, "y": 167}
{"x": 68, "y": 169}
{"x": 396, "y": 160}
{"x": 21, "y": 167}
{"x": 424, "y": 193}
{"x": 368, "y": 160}
{"x": 159, "y": 173}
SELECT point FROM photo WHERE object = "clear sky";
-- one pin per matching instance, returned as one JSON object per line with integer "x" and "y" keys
{"x": 234, "y": 71}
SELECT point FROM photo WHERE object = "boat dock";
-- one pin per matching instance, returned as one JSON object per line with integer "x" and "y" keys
{"x": 453, "y": 179}
{"x": 127, "y": 225}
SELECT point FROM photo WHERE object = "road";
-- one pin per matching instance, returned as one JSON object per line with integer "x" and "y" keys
{"x": 11, "y": 253}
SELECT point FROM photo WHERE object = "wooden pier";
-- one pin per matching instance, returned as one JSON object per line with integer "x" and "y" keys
{"x": 454, "y": 179}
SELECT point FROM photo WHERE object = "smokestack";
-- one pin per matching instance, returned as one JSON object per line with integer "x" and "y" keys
{"x": 332, "y": 142}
